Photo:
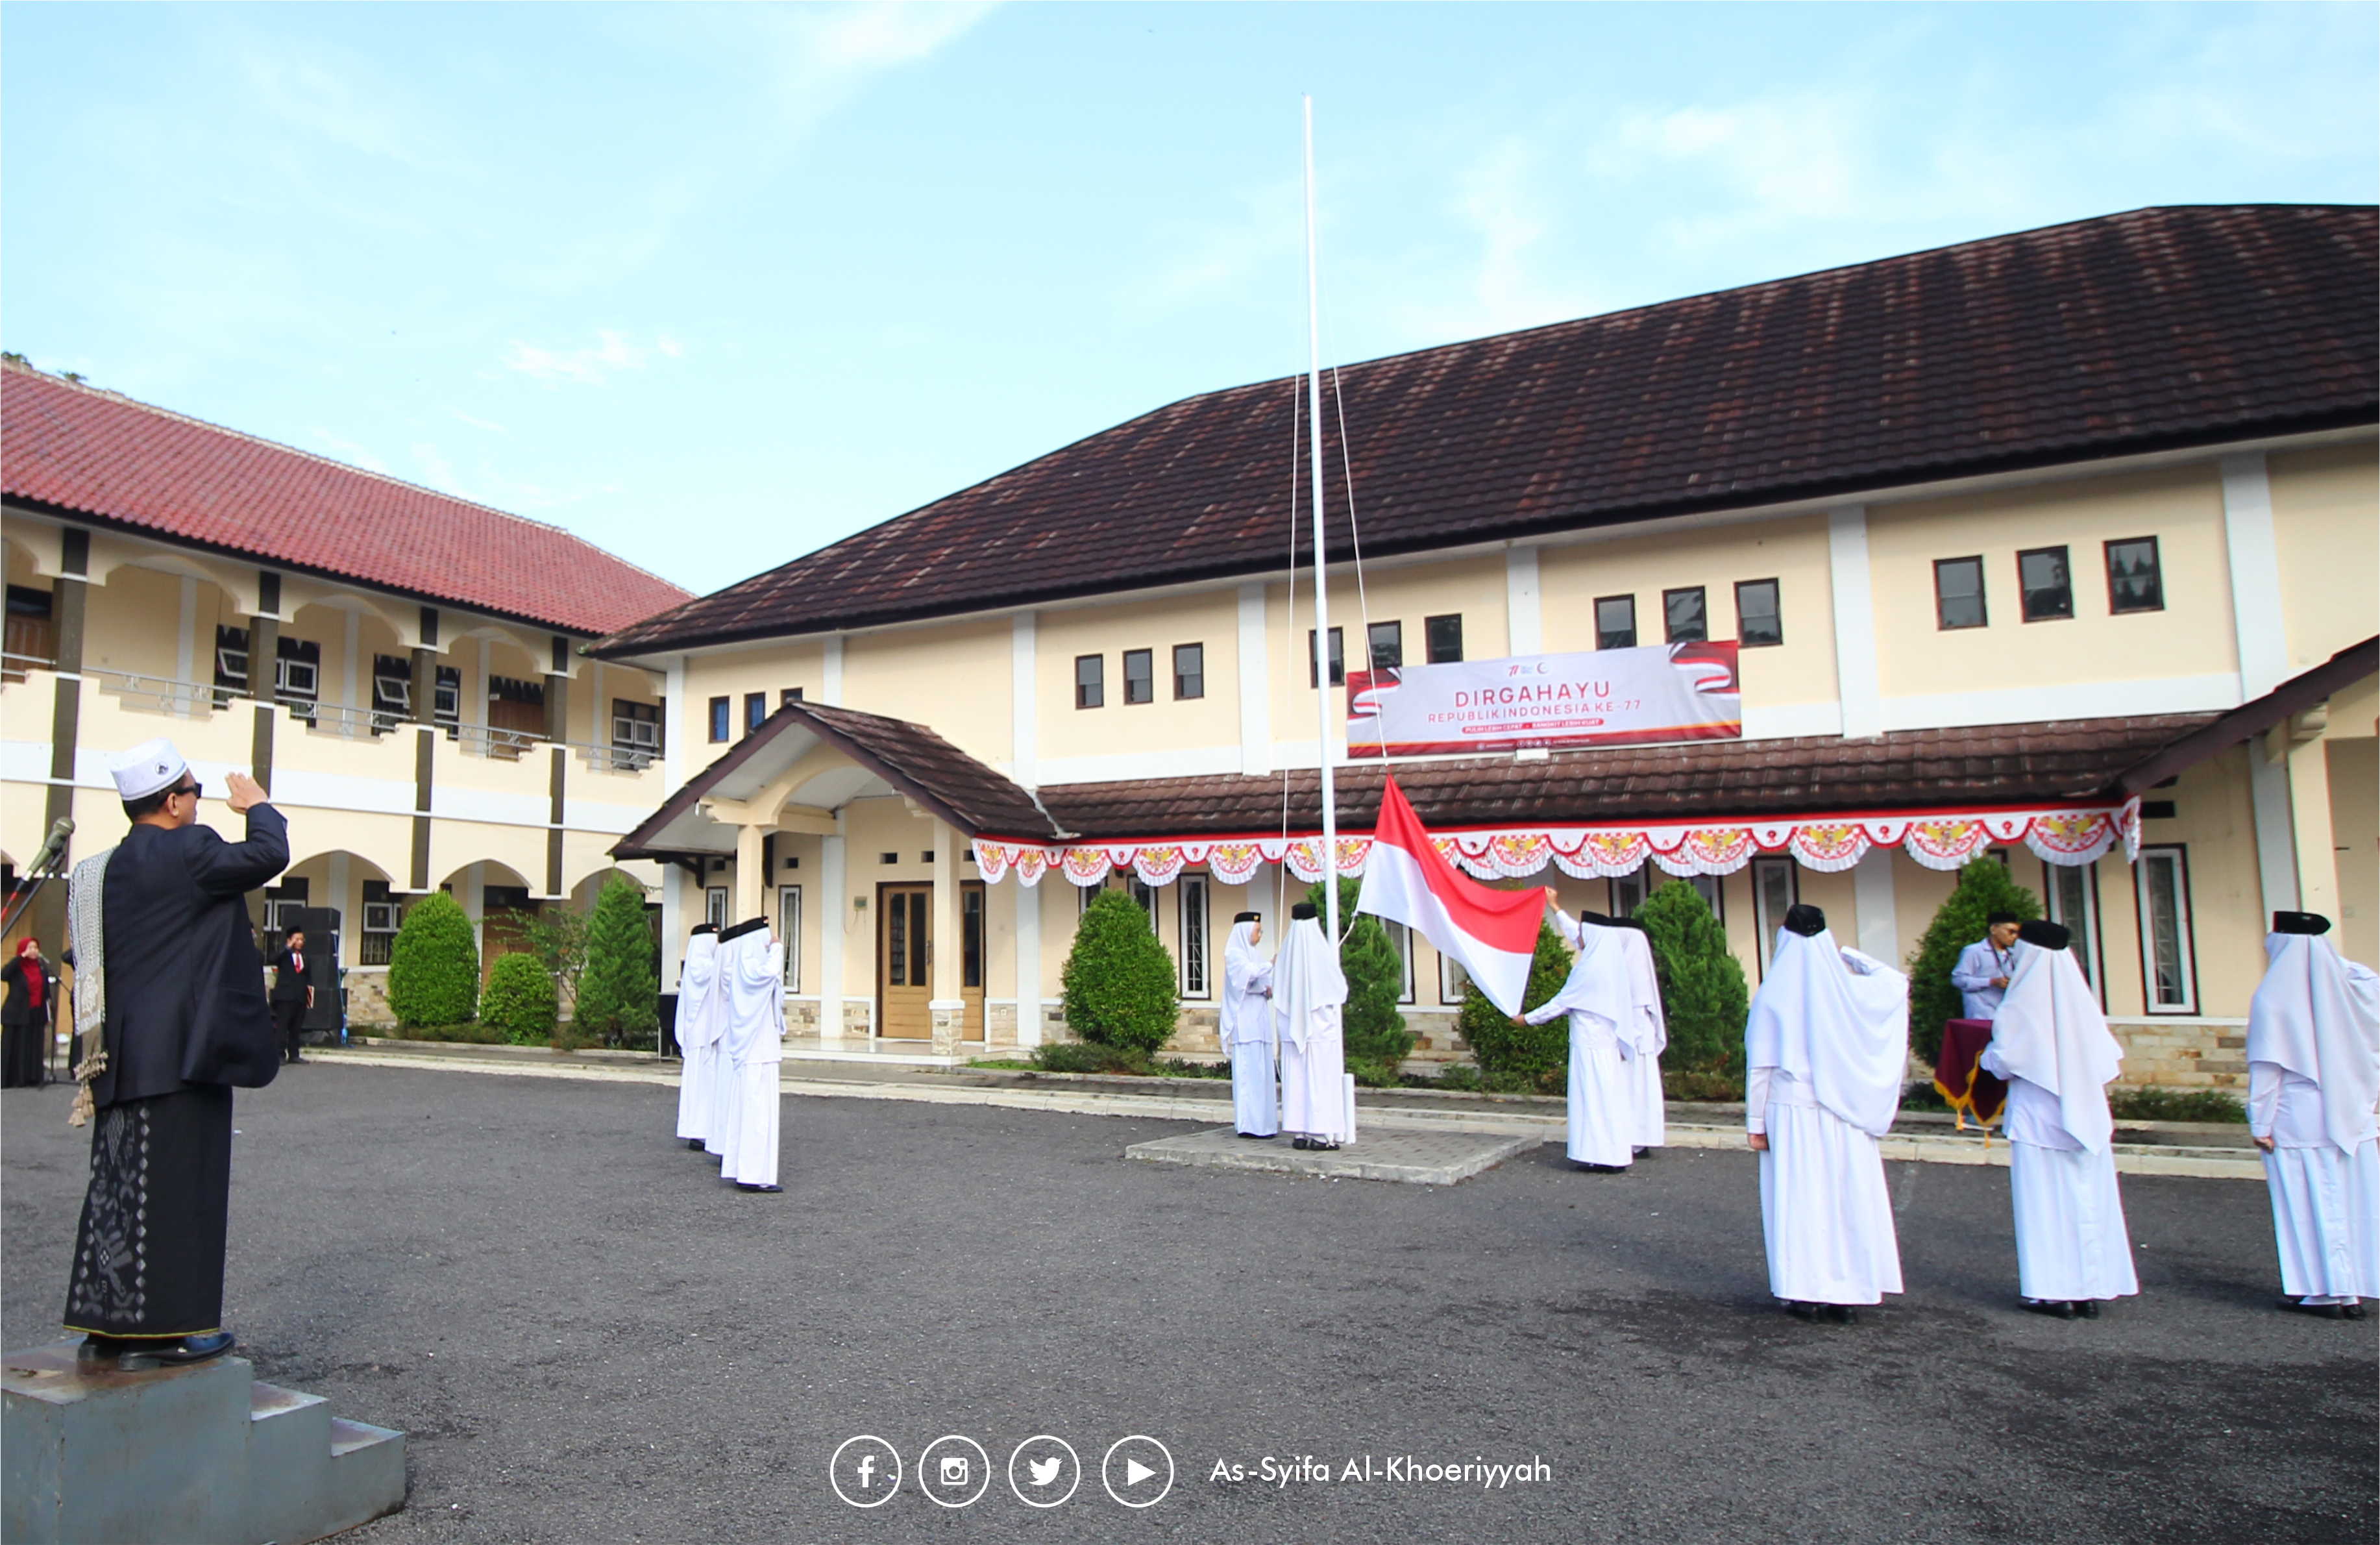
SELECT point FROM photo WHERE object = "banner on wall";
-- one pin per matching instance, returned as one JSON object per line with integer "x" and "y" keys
{"x": 1613, "y": 697}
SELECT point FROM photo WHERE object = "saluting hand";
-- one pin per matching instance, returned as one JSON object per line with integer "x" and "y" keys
{"x": 246, "y": 793}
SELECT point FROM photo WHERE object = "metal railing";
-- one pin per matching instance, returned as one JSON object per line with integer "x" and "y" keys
{"x": 16, "y": 667}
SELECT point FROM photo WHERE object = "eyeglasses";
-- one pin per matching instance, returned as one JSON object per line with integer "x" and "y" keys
{"x": 190, "y": 789}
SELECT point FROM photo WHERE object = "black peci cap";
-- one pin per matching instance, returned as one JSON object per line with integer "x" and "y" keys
{"x": 1303, "y": 910}
{"x": 2046, "y": 936}
{"x": 1805, "y": 919}
{"x": 749, "y": 924}
{"x": 1249, "y": 918}
{"x": 701, "y": 928}
{"x": 2300, "y": 922}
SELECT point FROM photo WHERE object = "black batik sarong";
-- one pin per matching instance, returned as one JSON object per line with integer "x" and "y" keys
{"x": 149, "y": 1257}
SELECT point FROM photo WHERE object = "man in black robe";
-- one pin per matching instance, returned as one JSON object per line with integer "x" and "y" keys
{"x": 186, "y": 1021}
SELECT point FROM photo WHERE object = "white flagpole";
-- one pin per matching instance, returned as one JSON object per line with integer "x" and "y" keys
{"x": 1322, "y": 588}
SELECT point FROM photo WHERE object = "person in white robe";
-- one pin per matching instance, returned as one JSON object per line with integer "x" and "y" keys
{"x": 755, "y": 969}
{"x": 1246, "y": 1029}
{"x": 2313, "y": 1074}
{"x": 2051, "y": 1044}
{"x": 1595, "y": 996}
{"x": 1648, "y": 1032}
{"x": 1309, "y": 996}
{"x": 697, "y": 1031}
{"x": 1826, "y": 1049}
{"x": 1981, "y": 974}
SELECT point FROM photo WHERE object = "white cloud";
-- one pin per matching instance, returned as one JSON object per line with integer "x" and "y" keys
{"x": 589, "y": 365}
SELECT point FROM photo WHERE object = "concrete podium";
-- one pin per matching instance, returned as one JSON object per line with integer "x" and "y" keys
{"x": 199, "y": 1455}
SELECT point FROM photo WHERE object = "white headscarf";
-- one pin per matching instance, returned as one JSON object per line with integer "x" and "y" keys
{"x": 1652, "y": 1029}
{"x": 2049, "y": 1032}
{"x": 1307, "y": 983}
{"x": 1244, "y": 974}
{"x": 1598, "y": 987}
{"x": 698, "y": 994}
{"x": 2318, "y": 1016}
{"x": 755, "y": 969}
{"x": 1837, "y": 1020}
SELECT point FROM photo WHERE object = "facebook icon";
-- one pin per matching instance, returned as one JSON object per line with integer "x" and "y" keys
{"x": 865, "y": 1471}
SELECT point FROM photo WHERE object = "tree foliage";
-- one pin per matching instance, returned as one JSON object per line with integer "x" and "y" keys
{"x": 1118, "y": 983}
{"x": 1537, "y": 1052}
{"x": 433, "y": 966}
{"x": 558, "y": 938}
{"x": 520, "y": 999}
{"x": 1985, "y": 887}
{"x": 1374, "y": 1031}
{"x": 619, "y": 992}
{"x": 1703, "y": 999}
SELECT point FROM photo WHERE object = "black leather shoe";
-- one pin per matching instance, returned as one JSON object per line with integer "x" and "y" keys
{"x": 2351, "y": 1311}
{"x": 695, "y": 1143}
{"x": 2087, "y": 1307}
{"x": 742, "y": 1185}
{"x": 137, "y": 1357}
{"x": 1324, "y": 1147}
{"x": 1843, "y": 1314}
{"x": 1299, "y": 1142}
{"x": 2055, "y": 1309}
{"x": 1801, "y": 1311}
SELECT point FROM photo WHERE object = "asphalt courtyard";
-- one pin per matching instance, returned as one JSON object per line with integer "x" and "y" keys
{"x": 589, "y": 1338}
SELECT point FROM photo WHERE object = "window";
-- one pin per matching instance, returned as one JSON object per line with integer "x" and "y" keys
{"x": 2048, "y": 590}
{"x": 789, "y": 928}
{"x": 2072, "y": 892}
{"x": 284, "y": 901}
{"x": 391, "y": 690}
{"x": 31, "y": 641}
{"x": 2168, "y": 970}
{"x": 382, "y": 917}
{"x": 1084, "y": 895}
{"x": 1444, "y": 637}
{"x": 1401, "y": 937}
{"x": 1615, "y": 622}
{"x": 2134, "y": 583}
{"x": 1193, "y": 890}
{"x": 1452, "y": 982}
{"x": 1139, "y": 676}
{"x": 515, "y": 714}
{"x": 1708, "y": 887}
{"x": 1685, "y": 615}
{"x": 756, "y": 710}
{"x": 1758, "y": 624}
{"x": 1775, "y": 888}
{"x": 1338, "y": 659}
{"x": 1147, "y": 896}
{"x": 714, "y": 905}
{"x": 446, "y": 696}
{"x": 1090, "y": 680}
{"x": 1627, "y": 894}
{"x": 790, "y": 695}
{"x": 1384, "y": 642}
{"x": 971, "y": 937}
{"x": 1189, "y": 671}
{"x": 719, "y": 719}
{"x": 297, "y": 670}
{"x": 1959, "y": 593}
{"x": 231, "y": 658}
{"x": 635, "y": 734}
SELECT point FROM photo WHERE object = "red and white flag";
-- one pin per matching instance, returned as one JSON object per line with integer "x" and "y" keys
{"x": 1492, "y": 934}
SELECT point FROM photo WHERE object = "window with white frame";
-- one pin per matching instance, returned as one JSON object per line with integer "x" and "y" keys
{"x": 2169, "y": 971}
{"x": 1191, "y": 890}
{"x": 1451, "y": 979}
{"x": 1627, "y": 894}
{"x": 1147, "y": 896}
{"x": 789, "y": 928}
{"x": 714, "y": 905}
{"x": 1401, "y": 937}
{"x": 2074, "y": 896}
{"x": 1775, "y": 888}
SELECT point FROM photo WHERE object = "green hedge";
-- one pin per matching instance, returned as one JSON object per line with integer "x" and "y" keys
{"x": 1985, "y": 887}
{"x": 433, "y": 966}
{"x": 520, "y": 999}
{"x": 1704, "y": 1000}
{"x": 1373, "y": 1031}
{"x": 1118, "y": 983}
{"x": 619, "y": 993}
{"x": 1533, "y": 1056}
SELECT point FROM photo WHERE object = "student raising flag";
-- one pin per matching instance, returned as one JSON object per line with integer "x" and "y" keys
{"x": 1490, "y": 934}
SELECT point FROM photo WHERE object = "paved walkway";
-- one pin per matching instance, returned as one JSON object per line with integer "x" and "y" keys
{"x": 1414, "y": 1158}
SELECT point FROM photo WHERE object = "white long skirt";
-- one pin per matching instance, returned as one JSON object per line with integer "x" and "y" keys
{"x": 1825, "y": 1210}
{"x": 2070, "y": 1241}
{"x": 694, "y": 1093}
{"x": 726, "y": 1106}
{"x": 2326, "y": 1220}
{"x": 1602, "y": 1105}
{"x": 752, "y": 1156}
{"x": 1254, "y": 1102}
{"x": 1652, "y": 1112}
{"x": 1312, "y": 1087}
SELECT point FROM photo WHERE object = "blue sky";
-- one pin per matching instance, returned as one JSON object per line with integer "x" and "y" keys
{"x": 713, "y": 287}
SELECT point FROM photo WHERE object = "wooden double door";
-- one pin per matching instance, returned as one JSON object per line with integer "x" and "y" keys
{"x": 904, "y": 960}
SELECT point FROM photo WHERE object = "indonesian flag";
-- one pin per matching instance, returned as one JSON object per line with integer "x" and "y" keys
{"x": 1490, "y": 934}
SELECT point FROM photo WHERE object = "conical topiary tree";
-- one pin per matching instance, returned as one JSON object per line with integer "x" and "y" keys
{"x": 433, "y": 966}
{"x": 1375, "y": 1033}
{"x": 1537, "y": 1052}
{"x": 1985, "y": 887}
{"x": 619, "y": 992}
{"x": 1118, "y": 983}
{"x": 1702, "y": 995}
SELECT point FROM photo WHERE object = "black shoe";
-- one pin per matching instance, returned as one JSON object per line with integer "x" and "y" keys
{"x": 746, "y": 1185}
{"x": 1843, "y": 1314}
{"x": 2351, "y": 1311}
{"x": 2055, "y": 1309}
{"x": 1603, "y": 1169}
{"x": 1323, "y": 1148}
{"x": 136, "y": 1357}
{"x": 2087, "y": 1307}
{"x": 1800, "y": 1310}
{"x": 1299, "y": 1142}
{"x": 2320, "y": 1311}
{"x": 695, "y": 1143}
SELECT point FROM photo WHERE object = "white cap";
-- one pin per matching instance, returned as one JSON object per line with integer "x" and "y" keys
{"x": 145, "y": 769}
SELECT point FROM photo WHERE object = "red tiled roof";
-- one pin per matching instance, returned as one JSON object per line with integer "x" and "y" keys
{"x": 2158, "y": 329}
{"x": 78, "y": 452}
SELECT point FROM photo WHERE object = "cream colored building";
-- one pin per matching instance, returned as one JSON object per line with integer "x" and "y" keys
{"x": 2059, "y": 550}
{"x": 428, "y": 722}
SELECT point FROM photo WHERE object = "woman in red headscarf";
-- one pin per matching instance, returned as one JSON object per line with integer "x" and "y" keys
{"x": 24, "y": 1018}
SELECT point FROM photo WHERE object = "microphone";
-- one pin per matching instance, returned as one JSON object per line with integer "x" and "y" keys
{"x": 54, "y": 846}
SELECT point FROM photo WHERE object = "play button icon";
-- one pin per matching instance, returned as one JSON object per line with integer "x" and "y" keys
{"x": 1138, "y": 1471}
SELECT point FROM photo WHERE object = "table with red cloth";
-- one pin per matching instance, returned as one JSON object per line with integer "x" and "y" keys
{"x": 1970, "y": 1090}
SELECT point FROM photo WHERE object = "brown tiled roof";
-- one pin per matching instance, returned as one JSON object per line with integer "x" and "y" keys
{"x": 1908, "y": 770}
{"x": 2158, "y": 329}
{"x": 84, "y": 454}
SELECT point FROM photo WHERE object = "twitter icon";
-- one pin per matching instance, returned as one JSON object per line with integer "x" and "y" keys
{"x": 1044, "y": 1471}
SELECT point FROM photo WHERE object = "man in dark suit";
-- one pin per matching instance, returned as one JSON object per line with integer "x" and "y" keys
{"x": 161, "y": 922}
{"x": 291, "y": 996}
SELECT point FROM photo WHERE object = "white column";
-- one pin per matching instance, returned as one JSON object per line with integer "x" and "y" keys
{"x": 1874, "y": 906}
{"x": 830, "y": 690}
{"x": 1857, "y": 679}
{"x": 834, "y": 912}
{"x": 1523, "y": 620}
{"x": 347, "y": 698}
{"x": 1028, "y": 963}
{"x": 673, "y": 923}
{"x": 946, "y": 1009}
{"x": 1024, "y": 701}
{"x": 2277, "y": 858}
{"x": 475, "y": 905}
{"x": 2256, "y": 618}
{"x": 1256, "y": 685}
